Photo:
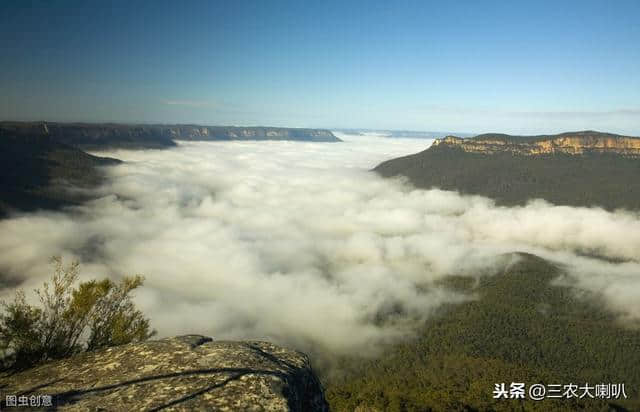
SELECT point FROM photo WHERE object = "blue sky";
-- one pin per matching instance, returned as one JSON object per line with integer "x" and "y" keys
{"x": 468, "y": 66}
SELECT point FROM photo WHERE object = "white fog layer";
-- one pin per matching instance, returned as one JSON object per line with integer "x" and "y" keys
{"x": 301, "y": 243}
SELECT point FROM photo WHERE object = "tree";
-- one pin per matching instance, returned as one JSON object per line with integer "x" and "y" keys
{"x": 70, "y": 320}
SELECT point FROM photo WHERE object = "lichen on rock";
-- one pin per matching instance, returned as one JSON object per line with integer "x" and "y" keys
{"x": 190, "y": 372}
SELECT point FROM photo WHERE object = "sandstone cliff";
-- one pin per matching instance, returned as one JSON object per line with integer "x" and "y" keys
{"x": 247, "y": 133}
{"x": 89, "y": 136}
{"x": 576, "y": 169}
{"x": 184, "y": 373}
{"x": 572, "y": 143}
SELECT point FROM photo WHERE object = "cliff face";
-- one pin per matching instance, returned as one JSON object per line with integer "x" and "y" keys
{"x": 101, "y": 136}
{"x": 576, "y": 169}
{"x": 574, "y": 143}
{"x": 185, "y": 373}
{"x": 247, "y": 133}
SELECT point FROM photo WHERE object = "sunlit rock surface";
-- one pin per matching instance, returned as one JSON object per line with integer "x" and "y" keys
{"x": 572, "y": 143}
{"x": 589, "y": 169}
{"x": 184, "y": 373}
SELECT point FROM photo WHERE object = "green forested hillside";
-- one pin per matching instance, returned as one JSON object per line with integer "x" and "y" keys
{"x": 520, "y": 329}
{"x": 605, "y": 180}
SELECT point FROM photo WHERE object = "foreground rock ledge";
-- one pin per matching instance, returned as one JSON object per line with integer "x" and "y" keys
{"x": 183, "y": 373}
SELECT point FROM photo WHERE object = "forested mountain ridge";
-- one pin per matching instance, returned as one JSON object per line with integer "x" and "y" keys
{"x": 36, "y": 156}
{"x": 575, "y": 169}
{"x": 100, "y": 136}
{"x": 521, "y": 326}
{"x": 34, "y": 171}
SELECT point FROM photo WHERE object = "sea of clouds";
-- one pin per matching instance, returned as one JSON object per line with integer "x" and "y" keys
{"x": 302, "y": 244}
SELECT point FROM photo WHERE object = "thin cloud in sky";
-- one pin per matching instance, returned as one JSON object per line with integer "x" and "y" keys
{"x": 569, "y": 113}
{"x": 190, "y": 103}
{"x": 545, "y": 113}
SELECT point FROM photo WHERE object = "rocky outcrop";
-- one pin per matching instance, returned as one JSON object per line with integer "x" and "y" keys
{"x": 184, "y": 373}
{"x": 104, "y": 136}
{"x": 572, "y": 143}
{"x": 574, "y": 169}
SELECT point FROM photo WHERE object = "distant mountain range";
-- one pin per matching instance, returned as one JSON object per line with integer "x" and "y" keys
{"x": 97, "y": 136}
{"x": 40, "y": 160}
{"x": 399, "y": 133}
{"x": 584, "y": 168}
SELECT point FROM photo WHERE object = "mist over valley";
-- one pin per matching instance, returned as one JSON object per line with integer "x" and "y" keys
{"x": 310, "y": 207}
{"x": 303, "y": 244}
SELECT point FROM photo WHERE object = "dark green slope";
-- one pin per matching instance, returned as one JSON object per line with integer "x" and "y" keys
{"x": 88, "y": 136}
{"x": 520, "y": 329}
{"x": 34, "y": 171}
{"x": 605, "y": 180}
